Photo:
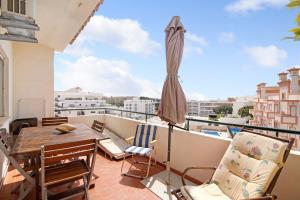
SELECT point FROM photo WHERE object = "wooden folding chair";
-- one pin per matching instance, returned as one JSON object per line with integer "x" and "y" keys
{"x": 98, "y": 126}
{"x": 64, "y": 163}
{"x": 51, "y": 121}
{"x": 5, "y": 146}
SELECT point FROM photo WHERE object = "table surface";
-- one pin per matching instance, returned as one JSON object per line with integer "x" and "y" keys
{"x": 31, "y": 139}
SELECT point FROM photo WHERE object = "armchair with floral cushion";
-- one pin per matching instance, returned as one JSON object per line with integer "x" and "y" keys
{"x": 249, "y": 169}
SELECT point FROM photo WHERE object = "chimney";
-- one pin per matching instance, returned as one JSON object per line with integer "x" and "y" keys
{"x": 294, "y": 74}
{"x": 259, "y": 91}
{"x": 283, "y": 76}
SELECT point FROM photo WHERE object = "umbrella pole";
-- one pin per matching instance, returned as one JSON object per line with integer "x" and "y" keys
{"x": 169, "y": 153}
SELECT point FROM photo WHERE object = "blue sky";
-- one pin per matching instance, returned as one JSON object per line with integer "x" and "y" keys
{"x": 230, "y": 47}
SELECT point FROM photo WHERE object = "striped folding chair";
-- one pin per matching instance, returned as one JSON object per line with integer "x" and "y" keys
{"x": 142, "y": 145}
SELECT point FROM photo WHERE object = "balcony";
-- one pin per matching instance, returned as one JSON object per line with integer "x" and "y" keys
{"x": 184, "y": 143}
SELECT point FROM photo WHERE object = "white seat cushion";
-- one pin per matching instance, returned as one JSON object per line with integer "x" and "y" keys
{"x": 114, "y": 146}
{"x": 142, "y": 151}
{"x": 110, "y": 146}
{"x": 204, "y": 192}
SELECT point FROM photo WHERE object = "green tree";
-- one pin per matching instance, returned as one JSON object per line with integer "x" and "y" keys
{"x": 295, "y": 31}
{"x": 244, "y": 111}
{"x": 224, "y": 109}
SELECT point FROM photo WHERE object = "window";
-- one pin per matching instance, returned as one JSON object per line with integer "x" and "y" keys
{"x": 17, "y": 6}
{"x": 293, "y": 110}
{"x": 276, "y": 108}
{"x": 283, "y": 96}
{"x": 1, "y": 87}
{"x": 73, "y": 98}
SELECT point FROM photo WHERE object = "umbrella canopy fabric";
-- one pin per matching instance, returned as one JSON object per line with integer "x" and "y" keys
{"x": 173, "y": 105}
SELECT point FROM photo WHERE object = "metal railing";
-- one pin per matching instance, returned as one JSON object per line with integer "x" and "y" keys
{"x": 277, "y": 131}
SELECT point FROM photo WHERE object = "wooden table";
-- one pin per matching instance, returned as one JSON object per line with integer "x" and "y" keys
{"x": 31, "y": 139}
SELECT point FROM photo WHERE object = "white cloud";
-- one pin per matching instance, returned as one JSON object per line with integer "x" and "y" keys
{"x": 196, "y": 96}
{"x": 194, "y": 44}
{"x": 124, "y": 34}
{"x": 243, "y": 6}
{"x": 110, "y": 77}
{"x": 196, "y": 38}
{"x": 266, "y": 56}
{"x": 227, "y": 37}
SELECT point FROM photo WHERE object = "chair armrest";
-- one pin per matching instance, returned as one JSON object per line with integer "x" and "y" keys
{"x": 192, "y": 168}
{"x": 153, "y": 142}
{"x": 129, "y": 139}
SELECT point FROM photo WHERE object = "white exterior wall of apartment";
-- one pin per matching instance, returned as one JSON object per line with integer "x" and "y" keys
{"x": 204, "y": 108}
{"x": 6, "y": 52}
{"x": 80, "y": 99}
{"x": 34, "y": 80}
{"x": 138, "y": 105}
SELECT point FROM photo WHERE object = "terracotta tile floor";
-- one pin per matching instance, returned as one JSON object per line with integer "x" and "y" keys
{"x": 109, "y": 186}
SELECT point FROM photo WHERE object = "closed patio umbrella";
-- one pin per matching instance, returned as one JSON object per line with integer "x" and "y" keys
{"x": 173, "y": 105}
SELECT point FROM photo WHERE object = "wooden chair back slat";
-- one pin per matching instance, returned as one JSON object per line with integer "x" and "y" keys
{"x": 51, "y": 121}
{"x": 68, "y": 145}
{"x": 57, "y": 159}
{"x": 67, "y": 150}
{"x": 53, "y": 154}
{"x": 98, "y": 126}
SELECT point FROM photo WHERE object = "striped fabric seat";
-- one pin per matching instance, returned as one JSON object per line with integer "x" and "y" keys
{"x": 144, "y": 134}
{"x": 142, "y": 151}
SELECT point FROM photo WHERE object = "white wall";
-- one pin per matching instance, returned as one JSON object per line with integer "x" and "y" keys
{"x": 7, "y": 53}
{"x": 33, "y": 80}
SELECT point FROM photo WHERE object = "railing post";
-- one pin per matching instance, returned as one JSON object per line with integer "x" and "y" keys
{"x": 146, "y": 117}
{"x": 188, "y": 125}
{"x": 277, "y": 134}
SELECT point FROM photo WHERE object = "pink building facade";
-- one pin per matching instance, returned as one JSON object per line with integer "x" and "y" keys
{"x": 279, "y": 106}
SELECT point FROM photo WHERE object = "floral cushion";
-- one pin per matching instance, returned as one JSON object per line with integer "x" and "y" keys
{"x": 249, "y": 165}
{"x": 203, "y": 192}
{"x": 260, "y": 147}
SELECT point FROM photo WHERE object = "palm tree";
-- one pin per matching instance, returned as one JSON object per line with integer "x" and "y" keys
{"x": 295, "y": 31}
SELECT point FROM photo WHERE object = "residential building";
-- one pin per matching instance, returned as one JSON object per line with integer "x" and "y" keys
{"x": 76, "y": 98}
{"x": 279, "y": 106}
{"x": 140, "y": 105}
{"x": 205, "y": 108}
